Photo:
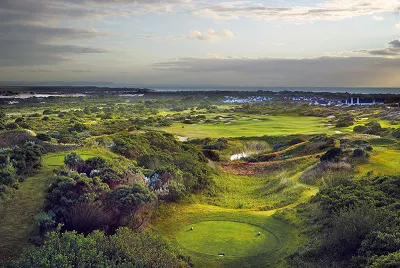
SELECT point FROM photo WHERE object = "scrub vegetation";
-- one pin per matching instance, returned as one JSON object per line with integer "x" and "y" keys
{"x": 189, "y": 180}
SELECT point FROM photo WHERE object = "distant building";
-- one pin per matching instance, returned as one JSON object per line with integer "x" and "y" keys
{"x": 363, "y": 101}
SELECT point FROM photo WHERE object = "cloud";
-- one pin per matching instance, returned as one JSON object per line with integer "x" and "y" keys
{"x": 30, "y": 53}
{"x": 211, "y": 35}
{"x": 279, "y": 44}
{"x": 321, "y": 71}
{"x": 326, "y": 11}
{"x": 392, "y": 50}
{"x": 29, "y": 35}
{"x": 378, "y": 18}
{"x": 397, "y": 25}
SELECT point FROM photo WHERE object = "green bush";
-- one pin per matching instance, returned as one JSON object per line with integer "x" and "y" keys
{"x": 357, "y": 225}
{"x": 123, "y": 249}
{"x": 332, "y": 155}
{"x": 43, "y": 137}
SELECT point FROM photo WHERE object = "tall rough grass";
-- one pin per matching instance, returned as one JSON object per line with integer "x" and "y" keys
{"x": 326, "y": 173}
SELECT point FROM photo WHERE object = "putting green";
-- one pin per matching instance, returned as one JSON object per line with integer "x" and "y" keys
{"x": 231, "y": 239}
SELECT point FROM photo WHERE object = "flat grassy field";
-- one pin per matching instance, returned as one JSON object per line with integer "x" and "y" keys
{"x": 253, "y": 126}
{"x": 226, "y": 239}
{"x": 57, "y": 159}
{"x": 278, "y": 240}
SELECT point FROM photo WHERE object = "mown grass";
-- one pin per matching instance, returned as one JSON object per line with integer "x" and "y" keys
{"x": 268, "y": 125}
{"x": 174, "y": 218}
{"x": 242, "y": 199}
{"x": 17, "y": 225}
{"x": 383, "y": 161}
{"x": 232, "y": 239}
{"x": 57, "y": 159}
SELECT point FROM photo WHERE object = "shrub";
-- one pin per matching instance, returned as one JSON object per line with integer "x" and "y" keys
{"x": 332, "y": 155}
{"x": 359, "y": 129}
{"x": 123, "y": 249}
{"x": 12, "y": 126}
{"x": 78, "y": 127}
{"x": 45, "y": 221}
{"x": 357, "y": 225}
{"x": 358, "y": 152}
{"x": 43, "y": 137}
{"x": 212, "y": 155}
{"x": 396, "y": 133}
{"x": 8, "y": 175}
{"x": 130, "y": 205}
{"x": 74, "y": 161}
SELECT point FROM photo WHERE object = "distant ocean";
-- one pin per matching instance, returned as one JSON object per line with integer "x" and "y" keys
{"x": 355, "y": 90}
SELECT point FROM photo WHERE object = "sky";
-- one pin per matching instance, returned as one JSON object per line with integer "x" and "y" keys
{"x": 262, "y": 43}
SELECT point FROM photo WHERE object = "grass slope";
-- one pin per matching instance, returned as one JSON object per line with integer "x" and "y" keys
{"x": 17, "y": 215}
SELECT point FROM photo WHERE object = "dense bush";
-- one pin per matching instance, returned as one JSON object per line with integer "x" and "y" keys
{"x": 358, "y": 225}
{"x": 159, "y": 152}
{"x": 123, "y": 249}
{"x": 43, "y": 137}
{"x": 345, "y": 121}
{"x": 396, "y": 133}
{"x": 217, "y": 145}
{"x": 78, "y": 127}
{"x": 25, "y": 159}
{"x": 332, "y": 155}
{"x": 96, "y": 194}
{"x": 373, "y": 128}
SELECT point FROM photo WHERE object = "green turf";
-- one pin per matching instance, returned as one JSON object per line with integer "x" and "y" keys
{"x": 57, "y": 159}
{"x": 177, "y": 218}
{"x": 383, "y": 161}
{"x": 268, "y": 125}
{"x": 227, "y": 222}
{"x": 232, "y": 239}
{"x": 17, "y": 223}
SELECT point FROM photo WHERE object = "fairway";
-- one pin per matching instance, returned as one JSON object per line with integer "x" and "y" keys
{"x": 382, "y": 162}
{"x": 227, "y": 239}
{"x": 268, "y": 125}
